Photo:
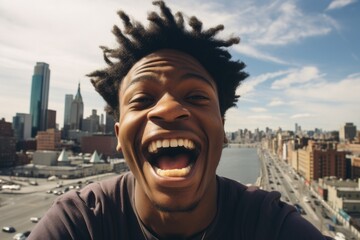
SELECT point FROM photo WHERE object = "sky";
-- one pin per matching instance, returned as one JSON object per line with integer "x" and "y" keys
{"x": 302, "y": 57}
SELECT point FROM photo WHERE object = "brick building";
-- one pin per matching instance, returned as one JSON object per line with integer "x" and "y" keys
{"x": 7, "y": 144}
{"x": 105, "y": 145}
{"x": 48, "y": 140}
{"x": 321, "y": 159}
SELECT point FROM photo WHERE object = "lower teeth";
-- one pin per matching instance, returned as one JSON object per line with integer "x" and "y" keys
{"x": 173, "y": 172}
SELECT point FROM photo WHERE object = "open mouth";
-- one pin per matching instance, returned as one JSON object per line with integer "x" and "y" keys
{"x": 172, "y": 157}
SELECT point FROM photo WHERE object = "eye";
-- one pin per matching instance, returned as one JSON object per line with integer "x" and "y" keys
{"x": 198, "y": 98}
{"x": 141, "y": 101}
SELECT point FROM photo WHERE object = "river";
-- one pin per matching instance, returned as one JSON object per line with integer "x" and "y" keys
{"x": 241, "y": 164}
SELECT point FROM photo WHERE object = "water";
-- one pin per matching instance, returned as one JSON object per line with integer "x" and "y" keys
{"x": 240, "y": 164}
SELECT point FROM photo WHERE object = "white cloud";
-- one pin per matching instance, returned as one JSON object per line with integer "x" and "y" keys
{"x": 336, "y": 4}
{"x": 297, "y": 76}
{"x": 300, "y": 115}
{"x": 342, "y": 91}
{"x": 258, "y": 109}
{"x": 289, "y": 24}
{"x": 276, "y": 102}
{"x": 249, "y": 85}
{"x": 252, "y": 51}
{"x": 262, "y": 117}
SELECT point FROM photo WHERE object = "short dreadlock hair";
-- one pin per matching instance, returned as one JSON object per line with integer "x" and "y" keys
{"x": 167, "y": 31}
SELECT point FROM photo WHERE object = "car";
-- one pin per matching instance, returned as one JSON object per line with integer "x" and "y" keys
{"x": 34, "y": 183}
{"x": 340, "y": 235}
{"x": 299, "y": 209}
{"x": 330, "y": 227}
{"x": 88, "y": 181}
{"x": 35, "y": 219}
{"x": 8, "y": 229}
{"x": 324, "y": 214}
{"x": 21, "y": 236}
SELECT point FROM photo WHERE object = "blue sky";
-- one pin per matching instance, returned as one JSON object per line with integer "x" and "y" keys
{"x": 303, "y": 57}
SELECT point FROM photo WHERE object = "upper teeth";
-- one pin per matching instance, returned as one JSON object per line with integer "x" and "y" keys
{"x": 165, "y": 143}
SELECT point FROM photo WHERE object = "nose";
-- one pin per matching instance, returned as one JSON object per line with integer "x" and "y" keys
{"x": 168, "y": 109}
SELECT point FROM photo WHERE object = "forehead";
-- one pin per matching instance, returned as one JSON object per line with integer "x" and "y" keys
{"x": 167, "y": 61}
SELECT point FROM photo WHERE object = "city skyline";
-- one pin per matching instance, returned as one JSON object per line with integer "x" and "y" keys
{"x": 303, "y": 58}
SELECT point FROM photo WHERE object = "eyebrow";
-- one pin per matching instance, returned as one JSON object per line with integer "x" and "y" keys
{"x": 156, "y": 80}
{"x": 200, "y": 77}
{"x": 144, "y": 78}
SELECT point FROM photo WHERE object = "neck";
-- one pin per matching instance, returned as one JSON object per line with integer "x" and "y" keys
{"x": 177, "y": 223}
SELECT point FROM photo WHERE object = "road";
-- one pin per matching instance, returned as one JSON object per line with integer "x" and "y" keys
{"x": 17, "y": 207}
{"x": 279, "y": 176}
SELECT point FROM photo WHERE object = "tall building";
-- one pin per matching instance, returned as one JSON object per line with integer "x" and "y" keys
{"x": 67, "y": 116}
{"x": 77, "y": 111}
{"x": 109, "y": 124}
{"x": 39, "y": 97}
{"x": 347, "y": 132}
{"x": 67, "y": 110}
{"x": 51, "y": 119}
{"x": 91, "y": 124}
{"x": 7, "y": 145}
{"x": 22, "y": 126}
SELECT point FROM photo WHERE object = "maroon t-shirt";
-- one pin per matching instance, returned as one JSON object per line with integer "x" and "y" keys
{"x": 105, "y": 210}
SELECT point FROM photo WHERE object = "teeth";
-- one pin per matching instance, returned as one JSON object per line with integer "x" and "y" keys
{"x": 174, "y": 172}
{"x": 165, "y": 143}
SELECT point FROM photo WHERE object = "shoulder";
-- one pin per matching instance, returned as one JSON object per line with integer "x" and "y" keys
{"x": 109, "y": 190}
{"x": 89, "y": 213}
{"x": 262, "y": 215}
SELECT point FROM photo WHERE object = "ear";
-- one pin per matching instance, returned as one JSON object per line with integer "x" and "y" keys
{"x": 225, "y": 138}
{"x": 117, "y": 132}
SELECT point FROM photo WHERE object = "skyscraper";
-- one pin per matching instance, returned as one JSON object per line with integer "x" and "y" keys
{"x": 50, "y": 119}
{"x": 67, "y": 110}
{"x": 39, "y": 97}
{"x": 91, "y": 124}
{"x": 22, "y": 126}
{"x": 77, "y": 111}
{"x": 109, "y": 125}
{"x": 347, "y": 132}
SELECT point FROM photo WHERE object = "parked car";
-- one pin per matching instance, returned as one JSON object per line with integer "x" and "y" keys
{"x": 35, "y": 219}
{"x": 8, "y": 229}
{"x": 340, "y": 236}
{"x": 299, "y": 209}
{"x": 21, "y": 236}
{"x": 330, "y": 227}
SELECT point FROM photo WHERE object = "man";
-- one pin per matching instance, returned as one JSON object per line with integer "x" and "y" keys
{"x": 169, "y": 90}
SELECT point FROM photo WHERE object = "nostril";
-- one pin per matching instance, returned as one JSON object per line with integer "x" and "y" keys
{"x": 182, "y": 117}
{"x": 156, "y": 118}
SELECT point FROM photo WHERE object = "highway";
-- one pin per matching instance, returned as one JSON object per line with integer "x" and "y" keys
{"x": 279, "y": 176}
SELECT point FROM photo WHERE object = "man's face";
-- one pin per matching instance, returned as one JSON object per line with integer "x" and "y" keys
{"x": 170, "y": 128}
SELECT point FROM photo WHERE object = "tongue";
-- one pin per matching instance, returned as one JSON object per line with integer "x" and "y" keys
{"x": 177, "y": 162}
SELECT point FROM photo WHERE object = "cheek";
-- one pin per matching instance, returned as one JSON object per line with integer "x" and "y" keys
{"x": 131, "y": 129}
